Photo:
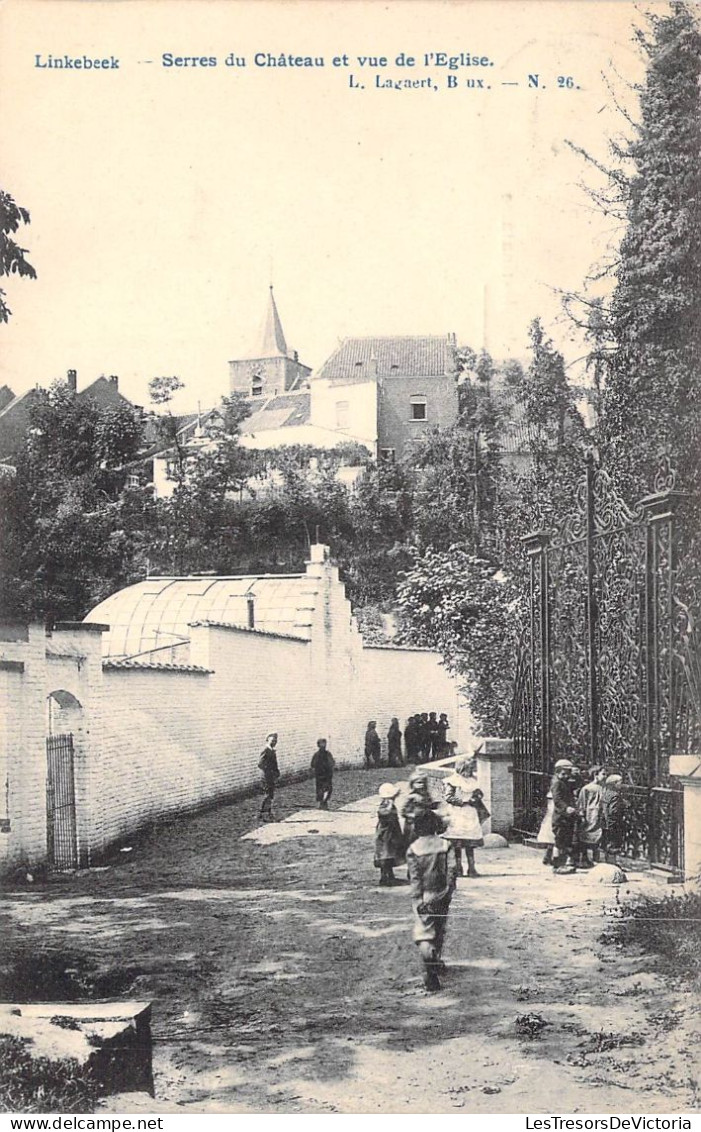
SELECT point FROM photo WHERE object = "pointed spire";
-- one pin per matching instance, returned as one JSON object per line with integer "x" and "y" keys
{"x": 272, "y": 342}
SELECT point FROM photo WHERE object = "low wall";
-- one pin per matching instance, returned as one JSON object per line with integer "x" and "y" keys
{"x": 154, "y": 738}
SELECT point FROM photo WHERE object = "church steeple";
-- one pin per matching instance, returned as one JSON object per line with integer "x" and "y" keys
{"x": 270, "y": 368}
{"x": 272, "y": 342}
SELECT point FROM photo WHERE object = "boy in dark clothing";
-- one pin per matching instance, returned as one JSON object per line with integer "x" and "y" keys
{"x": 411, "y": 740}
{"x": 564, "y": 819}
{"x": 373, "y": 747}
{"x": 433, "y": 735}
{"x": 431, "y": 864}
{"x": 394, "y": 744}
{"x": 423, "y": 736}
{"x": 322, "y": 765}
{"x": 267, "y": 763}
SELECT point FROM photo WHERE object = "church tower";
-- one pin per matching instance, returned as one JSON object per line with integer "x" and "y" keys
{"x": 270, "y": 368}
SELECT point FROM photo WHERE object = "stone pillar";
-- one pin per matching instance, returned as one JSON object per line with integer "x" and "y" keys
{"x": 495, "y": 778}
{"x": 687, "y": 768}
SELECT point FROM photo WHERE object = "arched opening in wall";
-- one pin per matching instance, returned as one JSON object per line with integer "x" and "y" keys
{"x": 64, "y": 725}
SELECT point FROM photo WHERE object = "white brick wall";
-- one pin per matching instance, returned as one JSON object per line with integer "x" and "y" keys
{"x": 154, "y": 741}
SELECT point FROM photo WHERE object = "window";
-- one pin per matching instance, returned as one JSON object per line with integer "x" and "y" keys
{"x": 387, "y": 455}
{"x": 342, "y": 414}
{"x": 257, "y": 386}
{"x": 417, "y": 410}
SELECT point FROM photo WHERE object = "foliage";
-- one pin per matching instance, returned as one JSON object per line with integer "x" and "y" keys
{"x": 72, "y": 532}
{"x": 41, "y": 1084}
{"x": 13, "y": 259}
{"x": 645, "y": 357}
{"x": 469, "y": 610}
{"x": 652, "y": 399}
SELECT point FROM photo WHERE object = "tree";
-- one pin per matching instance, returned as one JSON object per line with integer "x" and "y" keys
{"x": 13, "y": 259}
{"x": 73, "y": 532}
{"x": 471, "y": 611}
{"x": 652, "y": 395}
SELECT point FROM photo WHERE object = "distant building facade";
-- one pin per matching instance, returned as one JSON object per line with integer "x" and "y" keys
{"x": 381, "y": 392}
{"x": 408, "y": 383}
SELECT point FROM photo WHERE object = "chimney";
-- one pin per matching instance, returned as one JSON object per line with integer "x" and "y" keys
{"x": 318, "y": 552}
{"x": 115, "y": 380}
{"x": 72, "y": 380}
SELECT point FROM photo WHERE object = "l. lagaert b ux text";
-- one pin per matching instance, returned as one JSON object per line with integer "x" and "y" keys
{"x": 76, "y": 63}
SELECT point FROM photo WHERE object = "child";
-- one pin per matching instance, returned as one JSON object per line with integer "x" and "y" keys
{"x": 323, "y": 766}
{"x": 268, "y": 764}
{"x": 389, "y": 839}
{"x": 431, "y": 863}
{"x": 546, "y": 837}
{"x": 419, "y": 799}
{"x": 590, "y": 807}
{"x": 564, "y": 817}
{"x": 614, "y": 807}
{"x": 466, "y": 812}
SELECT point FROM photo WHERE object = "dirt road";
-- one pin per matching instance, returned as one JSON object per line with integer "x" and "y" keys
{"x": 284, "y": 980}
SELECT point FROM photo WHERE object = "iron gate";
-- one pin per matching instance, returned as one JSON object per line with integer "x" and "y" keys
{"x": 62, "y": 842}
{"x": 608, "y": 665}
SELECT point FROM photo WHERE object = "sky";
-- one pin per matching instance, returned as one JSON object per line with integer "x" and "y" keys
{"x": 165, "y": 200}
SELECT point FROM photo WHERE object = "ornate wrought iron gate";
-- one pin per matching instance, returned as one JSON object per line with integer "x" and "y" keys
{"x": 607, "y": 665}
{"x": 62, "y": 842}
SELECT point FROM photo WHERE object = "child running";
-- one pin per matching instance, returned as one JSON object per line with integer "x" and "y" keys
{"x": 389, "y": 839}
{"x": 431, "y": 864}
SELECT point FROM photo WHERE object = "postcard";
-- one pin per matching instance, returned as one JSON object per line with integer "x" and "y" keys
{"x": 349, "y": 661}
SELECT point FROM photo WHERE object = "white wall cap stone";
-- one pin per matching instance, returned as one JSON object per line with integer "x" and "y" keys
{"x": 495, "y": 749}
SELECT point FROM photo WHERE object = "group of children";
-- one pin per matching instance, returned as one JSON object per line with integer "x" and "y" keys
{"x": 425, "y": 738}
{"x": 431, "y": 844}
{"x": 582, "y": 818}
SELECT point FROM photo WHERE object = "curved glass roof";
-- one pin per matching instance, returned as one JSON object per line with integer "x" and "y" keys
{"x": 158, "y": 612}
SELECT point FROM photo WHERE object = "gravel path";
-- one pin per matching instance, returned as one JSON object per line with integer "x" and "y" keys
{"x": 283, "y": 980}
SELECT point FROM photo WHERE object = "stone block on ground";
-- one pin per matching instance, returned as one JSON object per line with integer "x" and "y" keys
{"x": 495, "y": 841}
{"x": 113, "y": 1039}
{"x": 604, "y": 874}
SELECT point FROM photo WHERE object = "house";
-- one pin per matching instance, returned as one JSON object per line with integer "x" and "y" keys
{"x": 405, "y": 385}
{"x": 15, "y": 416}
{"x": 381, "y": 392}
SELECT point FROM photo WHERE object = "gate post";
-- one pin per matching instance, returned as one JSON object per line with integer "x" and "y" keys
{"x": 536, "y": 544}
{"x": 668, "y": 801}
{"x": 592, "y": 613}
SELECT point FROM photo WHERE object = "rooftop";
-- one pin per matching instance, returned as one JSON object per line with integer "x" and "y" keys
{"x": 283, "y": 411}
{"x": 159, "y": 612}
{"x": 370, "y": 358}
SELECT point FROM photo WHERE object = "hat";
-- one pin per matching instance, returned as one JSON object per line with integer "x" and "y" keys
{"x": 388, "y": 790}
{"x": 418, "y": 773}
{"x": 561, "y": 764}
{"x": 613, "y": 779}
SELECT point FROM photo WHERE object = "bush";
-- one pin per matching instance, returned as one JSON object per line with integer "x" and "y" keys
{"x": 38, "y": 1084}
{"x": 668, "y": 927}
